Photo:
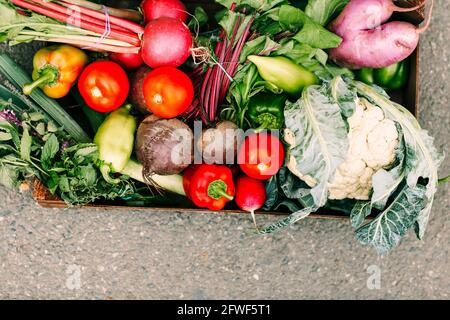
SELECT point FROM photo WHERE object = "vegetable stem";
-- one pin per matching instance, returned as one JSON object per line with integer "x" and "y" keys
{"x": 88, "y": 39}
{"x": 173, "y": 183}
{"x": 106, "y": 170}
{"x": 65, "y": 18}
{"x": 98, "y": 46}
{"x": 67, "y": 11}
{"x": 444, "y": 180}
{"x": 132, "y": 26}
{"x": 48, "y": 77}
{"x": 127, "y": 14}
{"x": 51, "y": 26}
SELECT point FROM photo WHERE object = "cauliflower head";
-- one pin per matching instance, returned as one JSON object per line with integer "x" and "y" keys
{"x": 373, "y": 140}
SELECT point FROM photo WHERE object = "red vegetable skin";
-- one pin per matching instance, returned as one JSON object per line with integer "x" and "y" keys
{"x": 168, "y": 92}
{"x": 211, "y": 186}
{"x": 167, "y": 42}
{"x": 154, "y": 9}
{"x": 104, "y": 86}
{"x": 136, "y": 92}
{"x": 129, "y": 61}
{"x": 362, "y": 26}
{"x": 261, "y": 156}
{"x": 250, "y": 195}
{"x": 187, "y": 176}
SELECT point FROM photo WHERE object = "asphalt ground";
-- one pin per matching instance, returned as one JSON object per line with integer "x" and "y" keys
{"x": 114, "y": 254}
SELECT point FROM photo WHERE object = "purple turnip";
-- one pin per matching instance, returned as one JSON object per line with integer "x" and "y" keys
{"x": 369, "y": 42}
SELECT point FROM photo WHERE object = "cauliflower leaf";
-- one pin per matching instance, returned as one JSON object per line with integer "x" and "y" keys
{"x": 317, "y": 135}
{"x": 422, "y": 158}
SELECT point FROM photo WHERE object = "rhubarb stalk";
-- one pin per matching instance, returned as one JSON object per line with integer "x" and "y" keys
{"x": 65, "y": 18}
{"x": 128, "y": 14}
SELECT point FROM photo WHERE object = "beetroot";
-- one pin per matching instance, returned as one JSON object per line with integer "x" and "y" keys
{"x": 136, "y": 91}
{"x": 154, "y": 9}
{"x": 163, "y": 146}
{"x": 167, "y": 42}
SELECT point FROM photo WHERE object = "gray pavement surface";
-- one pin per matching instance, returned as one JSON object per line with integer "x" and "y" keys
{"x": 98, "y": 254}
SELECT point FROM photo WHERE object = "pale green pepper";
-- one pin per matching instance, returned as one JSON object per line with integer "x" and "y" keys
{"x": 115, "y": 140}
{"x": 284, "y": 74}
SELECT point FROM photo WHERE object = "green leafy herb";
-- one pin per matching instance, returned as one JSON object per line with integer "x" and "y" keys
{"x": 308, "y": 31}
{"x": 51, "y": 147}
{"x": 323, "y": 11}
{"x": 33, "y": 146}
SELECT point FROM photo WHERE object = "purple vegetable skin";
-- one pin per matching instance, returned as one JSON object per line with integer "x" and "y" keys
{"x": 369, "y": 42}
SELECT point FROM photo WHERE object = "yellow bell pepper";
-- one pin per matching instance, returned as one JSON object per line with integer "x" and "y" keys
{"x": 56, "y": 68}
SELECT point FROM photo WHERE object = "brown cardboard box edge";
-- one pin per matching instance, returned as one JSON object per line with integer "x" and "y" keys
{"x": 409, "y": 98}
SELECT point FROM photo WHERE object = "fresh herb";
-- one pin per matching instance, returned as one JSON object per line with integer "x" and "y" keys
{"x": 32, "y": 147}
{"x": 323, "y": 11}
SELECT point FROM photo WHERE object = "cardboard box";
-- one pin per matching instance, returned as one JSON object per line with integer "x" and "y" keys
{"x": 408, "y": 97}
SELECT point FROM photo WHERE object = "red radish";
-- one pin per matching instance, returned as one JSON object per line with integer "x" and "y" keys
{"x": 167, "y": 42}
{"x": 154, "y": 9}
{"x": 250, "y": 195}
{"x": 129, "y": 61}
{"x": 369, "y": 42}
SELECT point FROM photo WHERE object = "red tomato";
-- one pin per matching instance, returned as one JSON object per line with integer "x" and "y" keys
{"x": 129, "y": 61}
{"x": 261, "y": 155}
{"x": 168, "y": 92}
{"x": 104, "y": 86}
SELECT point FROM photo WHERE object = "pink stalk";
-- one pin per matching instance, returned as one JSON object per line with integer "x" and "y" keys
{"x": 127, "y": 14}
{"x": 129, "y": 38}
{"x": 86, "y": 18}
{"x": 93, "y": 45}
{"x": 132, "y": 26}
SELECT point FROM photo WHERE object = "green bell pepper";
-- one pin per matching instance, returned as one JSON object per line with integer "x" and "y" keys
{"x": 266, "y": 110}
{"x": 391, "y": 78}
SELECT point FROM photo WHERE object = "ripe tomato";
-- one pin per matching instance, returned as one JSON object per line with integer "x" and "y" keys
{"x": 168, "y": 92}
{"x": 261, "y": 155}
{"x": 129, "y": 61}
{"x": 104, "y": 86}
